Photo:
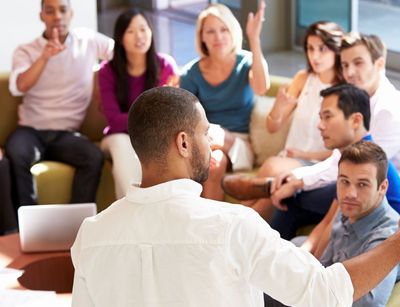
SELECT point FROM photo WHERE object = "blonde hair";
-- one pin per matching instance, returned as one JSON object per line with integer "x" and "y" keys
{"x": 225, "y": 15}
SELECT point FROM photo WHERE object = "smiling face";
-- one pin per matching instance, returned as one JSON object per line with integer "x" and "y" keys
{"x": 216, "y": 36}
{"x": 56, "y": 14}
{"x": 320, "y": 57}
{"x": 359, "y": 69}
{"x": 358, "y": 192}
{"x": 137, "y": 36}
{"x": 336, "y": 130}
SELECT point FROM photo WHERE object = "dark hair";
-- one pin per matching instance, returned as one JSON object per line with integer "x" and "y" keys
{"x": 42, "y": 3}
{"x": 155, "y": 119}
{"x": 364, "y": 152}
{"x": 331, "y": 35}
{"x": 119, "y": 63}
{"x": 373, "y": 43}
{"x": 351, "y": 99}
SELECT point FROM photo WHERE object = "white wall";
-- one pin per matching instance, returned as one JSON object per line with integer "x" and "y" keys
{"x": 20, "y": 23}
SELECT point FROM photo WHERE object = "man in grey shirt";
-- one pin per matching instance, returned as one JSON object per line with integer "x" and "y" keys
{"x": 365, "y": 218}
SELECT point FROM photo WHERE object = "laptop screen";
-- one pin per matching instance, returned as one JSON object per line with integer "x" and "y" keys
{"x": 51, "y": 227}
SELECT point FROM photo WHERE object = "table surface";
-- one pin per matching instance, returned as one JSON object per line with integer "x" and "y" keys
{"x": 11, "y": 256}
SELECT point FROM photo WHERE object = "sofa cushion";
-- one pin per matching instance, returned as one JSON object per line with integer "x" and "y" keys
{"x": 264, "y": 143}
{"x": 54, "y": 181}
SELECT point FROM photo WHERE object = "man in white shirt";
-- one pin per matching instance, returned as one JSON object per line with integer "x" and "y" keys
{"x": 164, "y": 245}
{"x": 363, "y": 59}
{"x": 54, "y": 74}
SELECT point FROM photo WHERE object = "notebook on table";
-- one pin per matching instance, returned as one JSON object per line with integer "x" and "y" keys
{"x": 51, "y": 227}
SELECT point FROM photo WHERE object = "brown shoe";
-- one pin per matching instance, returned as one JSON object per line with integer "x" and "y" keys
{"x": 245, "y": 188}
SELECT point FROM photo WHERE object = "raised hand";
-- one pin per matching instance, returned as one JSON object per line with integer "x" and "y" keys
{"x": 53, "y": 46}
{"x": 283, "y": 98}
{"x": 254, "y": 24}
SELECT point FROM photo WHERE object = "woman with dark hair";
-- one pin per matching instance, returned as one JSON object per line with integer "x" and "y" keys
{"x": 301, "y": 101}
{"x": 135, "y": 67}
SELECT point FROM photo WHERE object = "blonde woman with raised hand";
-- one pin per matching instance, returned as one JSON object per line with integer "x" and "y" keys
{"x": 225, "y": 79}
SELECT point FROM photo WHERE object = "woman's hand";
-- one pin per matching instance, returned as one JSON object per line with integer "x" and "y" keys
{"x": 283, "y": 98}
{"x": 254, "y": 24}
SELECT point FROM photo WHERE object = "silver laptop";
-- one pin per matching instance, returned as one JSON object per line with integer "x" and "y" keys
{"x": 51, "y": 227}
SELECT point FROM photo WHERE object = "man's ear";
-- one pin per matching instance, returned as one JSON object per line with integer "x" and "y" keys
{"x": 383, "y": 187}
{"x": 357, "y": 120}
{"x": 380, "y": 63}
{"x": 182, "y": 144}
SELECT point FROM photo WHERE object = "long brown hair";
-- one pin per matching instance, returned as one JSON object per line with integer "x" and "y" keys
{"x": 331, "y": 34}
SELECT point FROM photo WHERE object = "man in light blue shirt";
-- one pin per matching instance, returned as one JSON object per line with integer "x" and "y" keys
{"x": 365, "y": 218}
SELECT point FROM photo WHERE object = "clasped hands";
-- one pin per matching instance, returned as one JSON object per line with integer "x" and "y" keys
{"x": 284, "y": 186}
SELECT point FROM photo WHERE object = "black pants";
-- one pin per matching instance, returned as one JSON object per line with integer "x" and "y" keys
{"x": 8, "y": 222}
{"x": 27, "y": 146}
{"x": 303, "y": 209}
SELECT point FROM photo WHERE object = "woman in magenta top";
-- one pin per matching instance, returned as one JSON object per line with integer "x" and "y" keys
{"x": 135, "y": 67}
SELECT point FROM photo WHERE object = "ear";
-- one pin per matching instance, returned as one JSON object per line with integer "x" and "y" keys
{"x": 182, "y": 144}
{"x": 41, "y": 16}
{"x": 383, "y": 187}
{"x": 380, "y": 63}
{"x": 357, "y": 120}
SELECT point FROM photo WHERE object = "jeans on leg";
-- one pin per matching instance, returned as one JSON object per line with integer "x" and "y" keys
{"x": 24, "y": 148}
{"x": 8, "y": 221}
{"x": 75, "y": 149}
{"x": 27, "y": 146}
{"x": 303, "y": 209}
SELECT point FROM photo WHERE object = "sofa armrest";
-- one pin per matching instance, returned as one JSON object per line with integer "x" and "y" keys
{"x": 276, "y": 82}
{"x": 9, "y": 109}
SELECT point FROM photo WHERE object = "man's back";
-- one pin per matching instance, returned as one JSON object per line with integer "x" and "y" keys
{"x": 166, "y": 246}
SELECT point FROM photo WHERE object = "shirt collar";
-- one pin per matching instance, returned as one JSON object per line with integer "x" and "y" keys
{"x": 367, "y": 223}
{"x": 164, "y": 191}
{"x": 368, "y": 137}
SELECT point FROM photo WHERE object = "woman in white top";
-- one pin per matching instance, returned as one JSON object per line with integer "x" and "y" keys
{"x": 301, "y": 101}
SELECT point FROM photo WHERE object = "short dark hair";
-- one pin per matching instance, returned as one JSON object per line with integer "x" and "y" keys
{"x": 364, "y": 152}
{"x": 155, "y": 119}
{"x": 42, "y": 3}
{"x": 351, "y": 99}
{"x": 373, "y": 43}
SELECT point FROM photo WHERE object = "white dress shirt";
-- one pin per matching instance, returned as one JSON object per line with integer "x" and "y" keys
{"x": 166, "y": 246}
{"x": 385, "y": 119}
{"x": 61, "y": 95}
{"x": 319, "y": 174}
